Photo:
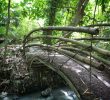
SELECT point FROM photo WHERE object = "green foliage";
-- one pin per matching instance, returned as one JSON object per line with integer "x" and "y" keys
{"x": 25, "y": 26}
{"x": 104, "y": 4}
{"x": 26, "y": 14}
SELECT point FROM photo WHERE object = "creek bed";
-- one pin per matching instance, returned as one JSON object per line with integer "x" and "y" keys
{"x": 61, "y": 93}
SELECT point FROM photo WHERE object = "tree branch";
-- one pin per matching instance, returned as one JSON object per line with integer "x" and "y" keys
{"x": 95, "y": 64}
{"x": 93, "y": 31}
{"x": 98, "y": 50}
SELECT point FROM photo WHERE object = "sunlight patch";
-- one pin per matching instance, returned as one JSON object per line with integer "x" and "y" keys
{"x": 105, "y": 82}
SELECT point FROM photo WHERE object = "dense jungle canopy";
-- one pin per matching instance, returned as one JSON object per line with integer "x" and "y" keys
{"x": 71, "y": 31}
{"x": 26, "y": 15}
{"x": 19, "y": 17}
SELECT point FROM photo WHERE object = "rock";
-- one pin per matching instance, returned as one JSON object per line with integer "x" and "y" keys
{"x": 3, "y": 94}
{"x": 46, "y": 92}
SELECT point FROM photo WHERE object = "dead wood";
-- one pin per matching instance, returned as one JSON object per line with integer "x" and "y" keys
{"x": 72, "y": 55}
{"x": 62, "y": 28}
{"x": 87, "y": 53}
{"x": 98, "y": 50}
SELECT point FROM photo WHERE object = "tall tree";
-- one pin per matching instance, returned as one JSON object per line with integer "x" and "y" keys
{"x": 53, "y": 4}
{"x": 79, "y": 13}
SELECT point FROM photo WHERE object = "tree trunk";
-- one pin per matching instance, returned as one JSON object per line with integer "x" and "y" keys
{"x": 87, "y": 53}
{"x": 86, "y": 46}
{"x": 78, "y": 76}
{"x": 78, "y": 16}
{"x": 93, "y": 31}
{"x": 72, "y": 55}
{"x": 51, "y": 19}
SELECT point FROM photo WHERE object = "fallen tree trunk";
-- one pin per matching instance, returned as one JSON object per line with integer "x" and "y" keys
{"x": 78, "y": 76}
{"x": 98, "y": 50}
{"x": 95, "y": 64}
{"x": 87, "y": 53}
{"x": 93, "y": 31}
